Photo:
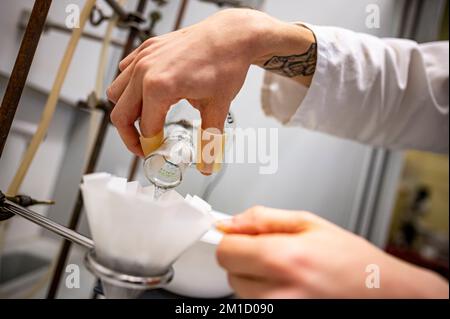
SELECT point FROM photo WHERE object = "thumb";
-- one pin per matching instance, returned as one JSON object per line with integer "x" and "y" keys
{"x": 263, "y": 220}
{"x": 211, "y": 140}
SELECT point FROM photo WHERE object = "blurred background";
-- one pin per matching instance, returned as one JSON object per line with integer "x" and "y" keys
{"x": 397, "y": 200}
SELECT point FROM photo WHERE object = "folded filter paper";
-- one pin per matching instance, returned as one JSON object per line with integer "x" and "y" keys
{"x": 135, "y": 234}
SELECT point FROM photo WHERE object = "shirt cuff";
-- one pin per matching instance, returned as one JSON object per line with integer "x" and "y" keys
{"x": 292, "y": 103}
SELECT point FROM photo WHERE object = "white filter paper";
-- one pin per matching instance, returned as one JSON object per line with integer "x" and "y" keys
{"x": 135, "y": 234}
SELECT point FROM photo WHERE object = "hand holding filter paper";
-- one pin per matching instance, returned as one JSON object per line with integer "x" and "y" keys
{"x": 136, "y": 234}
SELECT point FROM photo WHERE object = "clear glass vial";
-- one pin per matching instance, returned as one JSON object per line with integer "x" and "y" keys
{"x": 166, "y": 165}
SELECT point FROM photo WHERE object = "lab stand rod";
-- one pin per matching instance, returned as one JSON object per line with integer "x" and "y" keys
{"x": 48, "y": 224}
{"x": 180, "y": 15}
{"x": 21, "y": 68}
{"x": 117, "y": 8}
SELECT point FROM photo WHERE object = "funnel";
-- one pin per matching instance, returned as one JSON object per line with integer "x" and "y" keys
{"x": 136, "y": 235}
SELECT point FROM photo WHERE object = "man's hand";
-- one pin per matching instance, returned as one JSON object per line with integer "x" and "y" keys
{"x": 205, "y": 63}
{"x": 271, "y": 253}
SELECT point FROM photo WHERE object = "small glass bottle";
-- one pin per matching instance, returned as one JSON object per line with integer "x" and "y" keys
{"x": 165, "y": 166}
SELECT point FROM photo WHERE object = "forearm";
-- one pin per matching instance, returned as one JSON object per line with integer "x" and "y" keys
{"x": 283, "y": 48}
{"x": 289, "y": 50}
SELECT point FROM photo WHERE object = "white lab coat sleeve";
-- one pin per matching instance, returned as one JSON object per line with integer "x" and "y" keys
{"x": 385, "y": 92}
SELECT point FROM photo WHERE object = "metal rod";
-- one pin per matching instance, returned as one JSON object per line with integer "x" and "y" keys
{"x": 21, "y": 68}
{"x": 133, "y": 34}
{"x": 48, "y": 224}
{"x": 181, "y": 13}
{"x": 117, "y": 8}
{"x": 50, "y": 25}
{"x": 93, "y": 158}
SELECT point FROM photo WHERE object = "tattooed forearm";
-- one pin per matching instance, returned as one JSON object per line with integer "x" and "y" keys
{"x": 294, "y": 65}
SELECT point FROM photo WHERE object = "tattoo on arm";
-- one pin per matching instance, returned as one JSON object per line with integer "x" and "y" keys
{"x": 294, "y": 65}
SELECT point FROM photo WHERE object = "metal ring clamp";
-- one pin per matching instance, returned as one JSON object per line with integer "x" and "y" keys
{"x": 123, "y": 280}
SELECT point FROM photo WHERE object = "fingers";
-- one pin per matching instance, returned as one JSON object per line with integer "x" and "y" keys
{"x": 262, "y": 220}
{"x": 150, "y": 144}
{"x": 139, "y": 97}
{"x": 250, "y": 287}
{"x": 156, "y": 103}
{"x": 119, "y": 85}
{"x": 214, "y": 115}
{"x": 116, "y": 88}
{"x": 146, "y": 44}
{"x": 212, "y": 140}
{"x": 247, "y": 256}
{"x": 125, "y": 113}
{"x": 130, "y": 57}
{"x": 262, "y": 288}
{"x": 153, "y": 117}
